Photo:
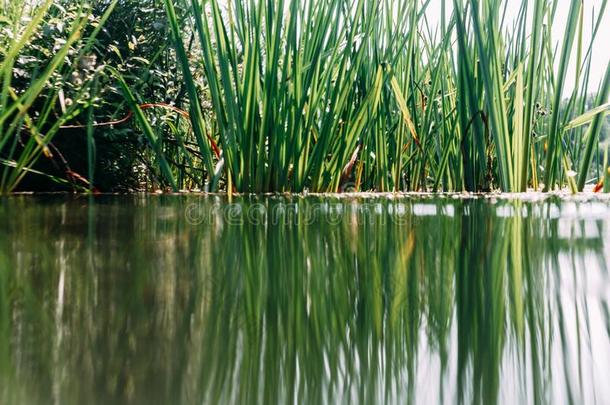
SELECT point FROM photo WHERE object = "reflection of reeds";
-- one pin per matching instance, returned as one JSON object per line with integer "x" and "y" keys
{"x": 353, "y": 309}
{"x": 307, "y": 93}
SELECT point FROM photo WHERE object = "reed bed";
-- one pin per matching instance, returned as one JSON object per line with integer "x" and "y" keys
{"x": 361, "y": 95}
{"x": 468, "y": 305}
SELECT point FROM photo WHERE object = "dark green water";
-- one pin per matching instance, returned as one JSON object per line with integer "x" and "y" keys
{"x": 188, "y": 300}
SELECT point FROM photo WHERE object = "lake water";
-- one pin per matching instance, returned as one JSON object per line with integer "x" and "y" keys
{"x": 304, "y": 300}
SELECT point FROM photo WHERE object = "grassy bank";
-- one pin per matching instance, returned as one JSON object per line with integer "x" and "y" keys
{"x": 319, "y": 95}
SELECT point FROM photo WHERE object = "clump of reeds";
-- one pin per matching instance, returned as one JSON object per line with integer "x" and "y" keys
{"x": 320, "y": 94}
{"x": 330, "y": 95}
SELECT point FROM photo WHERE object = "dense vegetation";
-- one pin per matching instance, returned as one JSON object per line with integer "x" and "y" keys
{"x": 287, "y": 95}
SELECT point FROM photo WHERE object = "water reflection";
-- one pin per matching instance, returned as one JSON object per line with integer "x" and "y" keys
{"x": 303, "y": 300}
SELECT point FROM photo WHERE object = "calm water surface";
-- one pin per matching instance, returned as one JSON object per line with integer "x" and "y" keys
{"x": 192, "y": 300}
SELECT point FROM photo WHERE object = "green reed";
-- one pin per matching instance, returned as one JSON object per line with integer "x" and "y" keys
{"x": 335, "y": 95}
{"x": 324, "y": 95}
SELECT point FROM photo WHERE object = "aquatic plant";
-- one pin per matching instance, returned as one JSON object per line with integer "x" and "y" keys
{"x": 318, "y": 94}
{"x": 287, "y": 95}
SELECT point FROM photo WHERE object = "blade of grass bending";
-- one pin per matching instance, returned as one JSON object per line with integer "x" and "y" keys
{"x": 224, "y": 113}
{"x": 589, "y": 116}
{"x": 196, "y": 114}
{"x": 402, "y": 105}
{"x": 14, "y": 164}
{"x": 36, "y": 146}
{"x": 147, "y": 130}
